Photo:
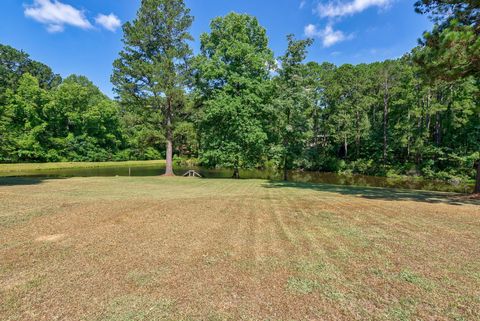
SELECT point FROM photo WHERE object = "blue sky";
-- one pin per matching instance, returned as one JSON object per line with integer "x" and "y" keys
{"x": 84, "y": 37}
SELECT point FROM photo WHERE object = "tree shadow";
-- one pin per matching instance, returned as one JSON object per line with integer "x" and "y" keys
{"x": 19, "y": 181}
{"x": 380, "y": 193}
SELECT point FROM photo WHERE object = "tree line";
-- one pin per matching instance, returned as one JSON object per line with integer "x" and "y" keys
{"x": 236, "y": 105}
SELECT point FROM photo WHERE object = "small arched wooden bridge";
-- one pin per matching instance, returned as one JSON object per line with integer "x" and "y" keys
{"x": 192, "y": 173}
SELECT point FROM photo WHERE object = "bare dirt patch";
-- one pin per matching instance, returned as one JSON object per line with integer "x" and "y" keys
{"x": 50, "y": 238}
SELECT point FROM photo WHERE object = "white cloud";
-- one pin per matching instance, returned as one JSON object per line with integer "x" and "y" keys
{"x": 110, "y": 22}
{"x": 302, "y": 4}
{"x": 311, "y": 31}
{"x": 55, "y": 15}
{"x": 328, "y": 36}
{"x": 55, "y": 28}
{"x": 340, "y": 9}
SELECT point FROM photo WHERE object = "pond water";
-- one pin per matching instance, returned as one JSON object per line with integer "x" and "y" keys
{"x": 295, "y": 176}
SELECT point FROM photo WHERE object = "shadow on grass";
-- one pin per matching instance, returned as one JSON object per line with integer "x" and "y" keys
{"x": 378, "y": 193}
{"x": 15, "y": 181}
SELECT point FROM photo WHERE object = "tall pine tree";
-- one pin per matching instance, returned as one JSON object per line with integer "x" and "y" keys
{"x": 451, "y": 51}
{"x": 152, "y": 70}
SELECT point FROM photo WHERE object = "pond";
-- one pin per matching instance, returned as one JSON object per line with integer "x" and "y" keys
{"x": 295, "y": 176}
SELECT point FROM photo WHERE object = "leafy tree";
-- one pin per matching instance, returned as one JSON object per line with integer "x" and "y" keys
{"x": 349, "y": 123}
{"x": 233, "y": 87}
{"x": 292, "y": 103}
{"x": 185, "y": 132}
{"x": 321, "y": 79}
{"x": 451, "y": 51}
{"x": 6, "y": 139}
{"x": 442, "y": 12}
{"x": 388, "y": 74}
{"x": 83, "y": 124}
{"x": 14, "y": 66}
{"x": 152, "y": 69}
{"x": 29, "y": 125}
{"x": 415, "y": 115}
{"x": 186, "y": 136}
{"x": 144, "y": 139}
{"x": 15, "y": 63}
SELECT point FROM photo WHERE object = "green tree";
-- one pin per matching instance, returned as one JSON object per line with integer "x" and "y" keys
{"x": 29, "y": 123}
{"x": 152, "y": 69}
{"x": 349, "y": 121}
{"x": 185, "y": 132}
{"x": 6, "y": 138}
{"x": 321, "y": 78}
{"x": 292, "y": 103}
{"x": 232, "y": 79}
{"x": 144, "y": 138}
{"x": 82, "y": 123}
{"x": 388, "y": 73}
{"x": 451, "y": 51}
{"x": 15, "y": 63}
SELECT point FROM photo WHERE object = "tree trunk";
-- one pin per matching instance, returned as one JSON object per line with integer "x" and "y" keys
{"x": 236, "y": 173}
{"x": 419, "y": 155}
{"x": 477, "y": 185}
{"x": 169, "y": 156}
{"x": 285, "y": 146}
{"x": 427, "y": 116}
{"x": 345, "y": 146}
{"x": 438, "y": 130}
{"x": 409, "y": 137}
{"x": 315, "y": 130}
{"x": 285, "y": 169}
{"x": 357, "y": 138}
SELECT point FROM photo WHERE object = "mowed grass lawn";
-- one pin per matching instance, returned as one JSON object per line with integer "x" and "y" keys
{"x": 152, "y": 248}
{"x": 14, "y": 169}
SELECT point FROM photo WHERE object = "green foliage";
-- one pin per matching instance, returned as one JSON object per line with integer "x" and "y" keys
{"x": 417, "y": 115}
{"x": 185, "y": 136}
{"x": 233, "y": 88}
{"x": 29, "y": 125}
{"x": 430, "y": 127}
{"x": 293, "y": 104}
{"x": 15, "y": 63}
{"x": 73, "y": 121}
{"x": 451, "y": 51}
{"x": 152, "y": 70}
{"x": 84, "y": 123}
{"x": 6, "y": 147}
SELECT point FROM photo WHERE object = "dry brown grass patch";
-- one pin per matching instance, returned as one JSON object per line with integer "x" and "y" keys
{"x": 178, "y": 249}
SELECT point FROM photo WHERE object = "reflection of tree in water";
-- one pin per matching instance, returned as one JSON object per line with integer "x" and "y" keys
{"x": 269, "y": 174}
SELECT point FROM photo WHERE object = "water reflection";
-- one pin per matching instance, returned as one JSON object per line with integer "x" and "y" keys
{"x": 296, "y": 176}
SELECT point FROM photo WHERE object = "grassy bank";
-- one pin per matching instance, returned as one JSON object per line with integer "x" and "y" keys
{"x": 152, "y": 248}
{"x": 28, "y": 167}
